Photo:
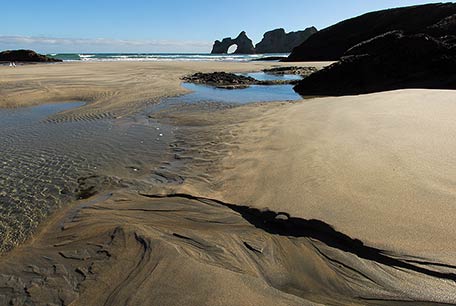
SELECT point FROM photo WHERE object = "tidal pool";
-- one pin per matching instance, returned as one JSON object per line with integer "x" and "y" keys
{"x": 263, "y": 76}
{"x": 254, "y": 93}
{"x": 45, "y": 163}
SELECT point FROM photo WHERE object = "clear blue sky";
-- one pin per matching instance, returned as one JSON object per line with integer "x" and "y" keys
{"x": 163, "y": 26}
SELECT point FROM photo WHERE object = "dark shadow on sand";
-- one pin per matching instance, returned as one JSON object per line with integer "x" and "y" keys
{"x": 284, "y": 225}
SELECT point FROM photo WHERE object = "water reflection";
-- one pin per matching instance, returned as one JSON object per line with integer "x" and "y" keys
{"x": 42, "y": 163}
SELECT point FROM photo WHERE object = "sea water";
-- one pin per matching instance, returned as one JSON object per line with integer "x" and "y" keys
{"x": 161, "y": 56}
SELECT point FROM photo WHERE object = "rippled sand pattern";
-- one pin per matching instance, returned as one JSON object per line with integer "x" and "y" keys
{"x": 45, "y": 162}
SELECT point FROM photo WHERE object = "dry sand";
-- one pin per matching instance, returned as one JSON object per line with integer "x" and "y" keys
{"x": 378, "y": 168}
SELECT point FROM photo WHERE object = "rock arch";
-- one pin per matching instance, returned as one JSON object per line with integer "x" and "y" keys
{"x": 243, "y": 42}
{"x": 232, "y": 49}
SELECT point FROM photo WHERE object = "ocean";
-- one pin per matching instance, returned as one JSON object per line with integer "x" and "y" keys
{"x": 160, "y": 57}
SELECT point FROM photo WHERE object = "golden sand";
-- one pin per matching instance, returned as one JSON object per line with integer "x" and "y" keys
{"x": 365, "y": 184}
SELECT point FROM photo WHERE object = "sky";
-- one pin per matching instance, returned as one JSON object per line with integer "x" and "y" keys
{"x": 163, "y": 26}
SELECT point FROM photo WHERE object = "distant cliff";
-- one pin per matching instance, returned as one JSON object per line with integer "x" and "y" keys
{"x": 275, "y": 41}
{"x": 331, "y": 43}
{"x": 278, "y": 41}
{"x": 25, "y": 56}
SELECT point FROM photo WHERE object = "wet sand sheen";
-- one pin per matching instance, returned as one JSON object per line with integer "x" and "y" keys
{"x": 45, "y": 163}
{"x": 210, "y": 235}
{"x": 113, "y": 89}
{"x": 57, "y": 159}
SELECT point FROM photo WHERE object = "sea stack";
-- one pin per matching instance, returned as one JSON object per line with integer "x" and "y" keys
{"x": 278, "y": 41}
{"x": 243, "y": 42}
{"x": 275, "y": 41}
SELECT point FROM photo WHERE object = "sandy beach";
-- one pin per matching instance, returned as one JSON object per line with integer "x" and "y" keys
{"x": 112, "y": 89}
{"x": 333, "y": 200}
{"x": 378, "y": 167}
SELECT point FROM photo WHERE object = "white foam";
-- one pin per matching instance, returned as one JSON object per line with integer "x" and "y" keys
{"x": 172, "y": 57}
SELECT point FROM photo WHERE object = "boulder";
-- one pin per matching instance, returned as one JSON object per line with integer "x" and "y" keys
{"x": 244, "y": 45}
{"x": 331, "y": 43}
{"x": 25, "y": 56}
{"x": 278, "y": 41}
{"x": 394, "y": 60}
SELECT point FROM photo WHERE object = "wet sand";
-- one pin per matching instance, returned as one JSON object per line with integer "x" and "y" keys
{"x": 112, "y": 89}
{"x": 363, "y": 184}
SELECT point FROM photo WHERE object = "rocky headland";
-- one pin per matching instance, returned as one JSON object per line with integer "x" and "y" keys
{"x": 25, "y": 56}
{"x": 331, "y": 43}
{"x": 411, "y": 47}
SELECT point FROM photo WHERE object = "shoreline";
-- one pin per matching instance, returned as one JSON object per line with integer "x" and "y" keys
{"x": 109, "y": 86}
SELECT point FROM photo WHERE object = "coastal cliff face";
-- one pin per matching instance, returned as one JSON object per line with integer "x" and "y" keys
{"x": 275, "y": 41}
{"x": 25, "y": 56}
{"x": 244, "y": 45}
{"x": 419, "y": 51}
{"x": 278, "y": 41}
{"x": 331, "y": 43}
{"x": 387, "y": 62}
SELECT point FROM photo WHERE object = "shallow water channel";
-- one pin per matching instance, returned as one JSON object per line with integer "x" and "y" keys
{"x": 46, "y": 163}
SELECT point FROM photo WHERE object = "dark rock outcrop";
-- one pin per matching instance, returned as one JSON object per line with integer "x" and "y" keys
{"x": 444, "y": 27}
{"x": 244, "y": 45}
{"x": 270, "y": 59}
{"x": 390, "y": 61}
{"x": 331, "y": 43}
{"x": 25, "y": 56}
{"x": 231, "y": 80}
{"x": 277, "y": 41}
{"x": 221, "y": 79}
{"x": 302, "y": 71}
